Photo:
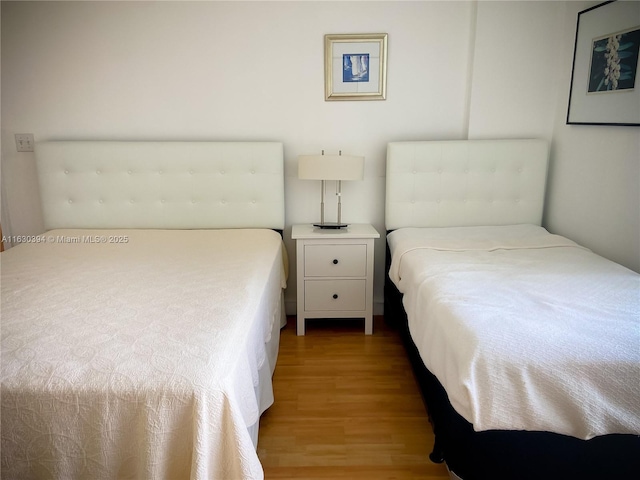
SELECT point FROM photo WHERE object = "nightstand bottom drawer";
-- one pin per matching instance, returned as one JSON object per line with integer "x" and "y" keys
{"x": 329, "y": 295}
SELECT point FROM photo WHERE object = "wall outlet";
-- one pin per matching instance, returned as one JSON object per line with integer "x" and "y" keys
{"x": 24, "y": 142}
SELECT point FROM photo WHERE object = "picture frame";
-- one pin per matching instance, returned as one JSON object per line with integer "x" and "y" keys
{"x": 605, "y": 83}
{"x": 355, "y": 66}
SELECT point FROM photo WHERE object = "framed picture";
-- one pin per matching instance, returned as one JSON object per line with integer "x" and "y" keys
{"x": 605, "y": 88}
{"x": 355, "y": 66}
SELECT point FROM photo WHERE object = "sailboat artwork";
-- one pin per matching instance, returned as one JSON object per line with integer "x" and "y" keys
{"x": 356, "y": 67}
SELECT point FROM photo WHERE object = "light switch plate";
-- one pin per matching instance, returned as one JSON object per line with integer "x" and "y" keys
{"x": 24, "y": 142}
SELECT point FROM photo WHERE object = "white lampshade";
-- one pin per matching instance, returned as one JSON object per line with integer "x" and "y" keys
{"x": 330, "y": 167}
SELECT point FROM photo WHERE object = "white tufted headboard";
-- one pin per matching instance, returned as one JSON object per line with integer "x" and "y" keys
{"x": 465, "y": 183}
{"x": 169, "y": 185}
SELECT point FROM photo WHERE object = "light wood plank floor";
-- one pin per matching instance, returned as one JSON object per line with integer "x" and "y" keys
{"x": 346, "y": 407}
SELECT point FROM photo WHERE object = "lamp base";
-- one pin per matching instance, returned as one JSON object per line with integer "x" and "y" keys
{"x": 333, "y": 225}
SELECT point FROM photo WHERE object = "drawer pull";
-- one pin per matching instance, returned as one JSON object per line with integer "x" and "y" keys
{"x": 335, "y": 261}
{"x": 335, "y": 296}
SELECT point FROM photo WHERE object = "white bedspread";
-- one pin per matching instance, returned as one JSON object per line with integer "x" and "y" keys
{"x": 524, "y": 329}
{"x": 138, "y": 359}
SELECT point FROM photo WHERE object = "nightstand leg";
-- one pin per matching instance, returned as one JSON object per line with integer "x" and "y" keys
{"x": 300, "y": 325}
{"x": 368, "y": 325}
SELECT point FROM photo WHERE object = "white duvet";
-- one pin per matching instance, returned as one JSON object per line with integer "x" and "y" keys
{"x": 138, "y": 357}
{"x": 525, "y": 330}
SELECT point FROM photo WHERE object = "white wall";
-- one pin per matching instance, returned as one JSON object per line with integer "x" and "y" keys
{"x": 227, "y": 71}
{"x": 515, "y": 64}
{"x": 593, "y": 193}
{"x": 254, "y": 71}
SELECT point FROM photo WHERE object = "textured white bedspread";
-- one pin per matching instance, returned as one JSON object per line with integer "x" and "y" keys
{"x": 138, "y": 359}
{"x": 524, "y": 329}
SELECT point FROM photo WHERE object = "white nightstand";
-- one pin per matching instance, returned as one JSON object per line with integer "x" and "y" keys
{"x": 335, "y": 273}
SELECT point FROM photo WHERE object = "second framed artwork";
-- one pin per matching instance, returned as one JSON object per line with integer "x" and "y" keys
{"x": 355, "y": 66}
{"x": 604, "y": 82}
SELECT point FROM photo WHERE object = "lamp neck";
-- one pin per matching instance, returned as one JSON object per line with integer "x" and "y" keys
{"x": 322, "y": 185}
{"x": 339, "y": 194}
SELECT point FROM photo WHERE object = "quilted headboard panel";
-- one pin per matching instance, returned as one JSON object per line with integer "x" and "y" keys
{"x": 465, "y": 183}
{"x": 171, "y": 185}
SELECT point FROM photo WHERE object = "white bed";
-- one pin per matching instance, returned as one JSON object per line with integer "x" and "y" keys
{"x": 541, "y": 334}
{"x": 140, "y": 332}
{"x": 523, "y": 330}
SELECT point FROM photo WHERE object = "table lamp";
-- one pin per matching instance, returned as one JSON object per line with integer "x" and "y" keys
{"x": 330, "y": 167}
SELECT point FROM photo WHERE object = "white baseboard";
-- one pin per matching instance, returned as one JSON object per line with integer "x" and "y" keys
{"x": 290, "y": 307}
{"x": 378, "y": 306}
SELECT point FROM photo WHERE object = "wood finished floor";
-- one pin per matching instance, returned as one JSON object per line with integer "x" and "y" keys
{"x": 346, "y": 407}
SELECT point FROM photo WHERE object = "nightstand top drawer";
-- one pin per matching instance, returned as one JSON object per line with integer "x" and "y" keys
{"x": 322, "y": 260}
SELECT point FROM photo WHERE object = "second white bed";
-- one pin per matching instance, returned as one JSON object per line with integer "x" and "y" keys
{"x": 524, "y": 329}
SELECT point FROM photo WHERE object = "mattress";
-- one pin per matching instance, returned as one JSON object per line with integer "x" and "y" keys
{"x": 137, "y": 353}
{"x": 524, "y": 329}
